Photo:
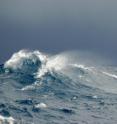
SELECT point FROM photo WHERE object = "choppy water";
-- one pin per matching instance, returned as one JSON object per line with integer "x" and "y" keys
{"x": 36, "y": 88}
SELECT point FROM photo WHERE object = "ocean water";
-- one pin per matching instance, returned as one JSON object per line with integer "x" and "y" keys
{"x": 39, "y": 88}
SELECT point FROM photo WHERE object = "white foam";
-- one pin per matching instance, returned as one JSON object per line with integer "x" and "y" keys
{"x": 95, "y": 97}
{"x": 8, "y": 120}
{"x": 41, "y": 71}
{"x": 17, "y": 59}
{"x": 41, "y": 105}
{"x": 33, "y": 86}
{"x": 56, "y": 63}
{"x": 110, "y": 75}
{"x": 82, "y": 67}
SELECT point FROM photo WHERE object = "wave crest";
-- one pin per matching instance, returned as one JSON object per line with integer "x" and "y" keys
{"x": 26, "y": 61}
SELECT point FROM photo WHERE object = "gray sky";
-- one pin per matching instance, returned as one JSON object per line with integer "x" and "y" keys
{"x": 58, "y": 25}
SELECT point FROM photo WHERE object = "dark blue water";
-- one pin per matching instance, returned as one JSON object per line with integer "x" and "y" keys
{"x": 40, "y": 89}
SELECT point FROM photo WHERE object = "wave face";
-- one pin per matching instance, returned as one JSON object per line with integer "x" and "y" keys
{"x": 56, "y": 89}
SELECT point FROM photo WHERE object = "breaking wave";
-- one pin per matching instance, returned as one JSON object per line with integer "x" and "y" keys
{"x": 38, "y": 64}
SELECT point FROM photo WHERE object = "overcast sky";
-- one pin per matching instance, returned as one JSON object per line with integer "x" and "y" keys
{"x": 58, "y": 25}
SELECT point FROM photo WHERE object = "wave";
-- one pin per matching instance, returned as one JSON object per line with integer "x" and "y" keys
{"x": 38, "y": 65}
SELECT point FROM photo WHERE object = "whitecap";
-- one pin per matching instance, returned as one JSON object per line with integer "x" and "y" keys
{"x": 40, "y": 105}
{"x": 8, "y": 120}
{"x": 110, "y": 75}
